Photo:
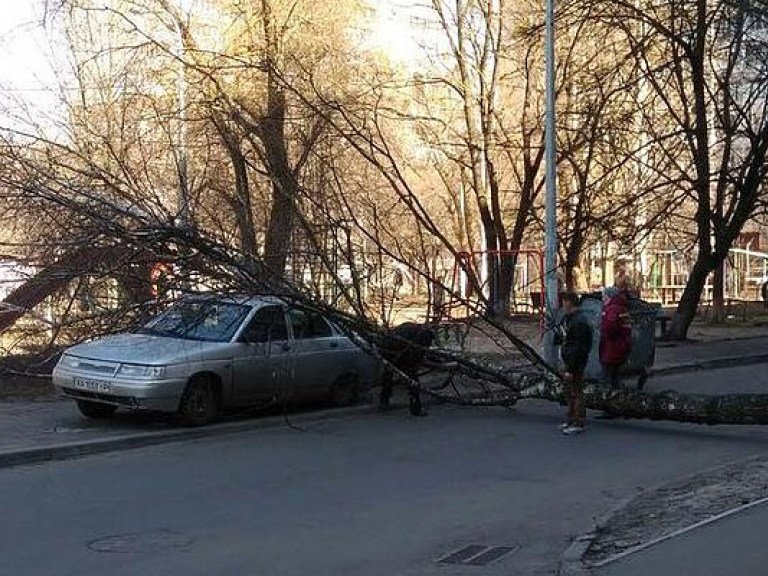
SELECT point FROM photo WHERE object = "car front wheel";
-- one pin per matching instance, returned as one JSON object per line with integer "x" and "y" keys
{"x": 344, "y": 391}
{"x": 95, "y": 409}
{"x": 199, "y": 404}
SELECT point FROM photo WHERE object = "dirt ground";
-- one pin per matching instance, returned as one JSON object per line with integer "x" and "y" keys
{"x": 27, "y": 377}
{"x": 14, "y": 388}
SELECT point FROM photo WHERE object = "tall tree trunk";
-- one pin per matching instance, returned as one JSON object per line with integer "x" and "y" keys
{"x": 689, "y": 301}
{"x": 242, "y": 200}
{"x": 718, "y": 294}
{"x": 503, "y": 262}
{"x": 491, "y": 254}
{"x": 277, "y": 244}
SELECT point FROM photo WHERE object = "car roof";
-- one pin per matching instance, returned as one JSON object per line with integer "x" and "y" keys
{"x": 254, "y": 301}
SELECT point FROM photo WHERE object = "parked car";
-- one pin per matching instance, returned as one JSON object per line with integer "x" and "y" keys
{"x": 207, "y": 354}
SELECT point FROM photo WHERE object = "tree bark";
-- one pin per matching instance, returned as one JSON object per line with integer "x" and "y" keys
{"x": 689, "y": 301}
{"x": 242, "y": 200}
{"x": 277, "y": 244}
{"x": 669, "y": 405}
{"x": 718, "y": 295}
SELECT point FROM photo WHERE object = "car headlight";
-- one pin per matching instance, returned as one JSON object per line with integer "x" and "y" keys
{"x": 141, "y": 371}
{"x": 68, "y": 361}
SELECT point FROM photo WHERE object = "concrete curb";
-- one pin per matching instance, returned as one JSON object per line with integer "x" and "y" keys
{"x": 73, "y": 450}
{"x": 571, "y": 562}
{"x": 709, "y": 364}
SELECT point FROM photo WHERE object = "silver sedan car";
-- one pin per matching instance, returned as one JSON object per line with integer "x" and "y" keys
{"x": 207, "y": 354}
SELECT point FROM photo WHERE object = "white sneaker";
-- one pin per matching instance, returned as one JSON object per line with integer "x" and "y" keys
{"x": 563, "y": 425}
{"x": 570, "y": 430}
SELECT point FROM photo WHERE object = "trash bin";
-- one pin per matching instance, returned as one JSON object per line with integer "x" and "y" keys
{"x": 642, "y": 319}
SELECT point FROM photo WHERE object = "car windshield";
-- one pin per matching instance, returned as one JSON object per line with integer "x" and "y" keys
{"x": 210, "y": 320}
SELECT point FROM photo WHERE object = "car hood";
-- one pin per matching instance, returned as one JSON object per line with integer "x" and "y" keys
{"x": 148, "y": 349}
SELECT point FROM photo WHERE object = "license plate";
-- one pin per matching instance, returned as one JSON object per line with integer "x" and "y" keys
{"x": 92, "y": 385}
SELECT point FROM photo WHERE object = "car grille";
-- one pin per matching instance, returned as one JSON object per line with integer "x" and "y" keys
{"x": 123, "y": 400}
{"x": 96, "y": 367}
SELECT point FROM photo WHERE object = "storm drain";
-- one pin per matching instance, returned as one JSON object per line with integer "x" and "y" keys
{"x": 476, "y": 555}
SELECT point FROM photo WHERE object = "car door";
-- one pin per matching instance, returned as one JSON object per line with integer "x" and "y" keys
{"x": 319, "y": 353}
{"x": 262, "y": 364}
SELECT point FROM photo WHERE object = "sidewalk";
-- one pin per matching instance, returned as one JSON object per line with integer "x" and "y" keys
{"x": 712, "y": 350}
{"x": 732, "y": 544}
{"x": 50, "y": 428}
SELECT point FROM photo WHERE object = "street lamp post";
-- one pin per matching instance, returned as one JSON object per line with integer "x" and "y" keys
{"x": 550, "y": 244}
{"x": 181, "y": 152}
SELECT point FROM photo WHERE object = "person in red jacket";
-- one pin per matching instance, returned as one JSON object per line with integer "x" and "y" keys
{"x": 615, "y": 334}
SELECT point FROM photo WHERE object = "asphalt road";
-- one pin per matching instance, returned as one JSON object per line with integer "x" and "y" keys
{"x": 731, "y": 545}
{"x": 365, "y": 496}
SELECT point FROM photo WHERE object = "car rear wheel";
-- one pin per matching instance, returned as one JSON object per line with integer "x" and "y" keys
{"x": 199, "y": 403}
{"x": 95, "y": 409}
{"x": 344, "y": 391}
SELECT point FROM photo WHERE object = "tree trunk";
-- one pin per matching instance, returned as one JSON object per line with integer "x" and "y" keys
{"x": 111, "y": 261}
{"x": 491, "y": 256}
{"x": 242, "y": 201}
{"x": 572, "y": 251}
{"x": 718, "y": 294}
{"x": 502, "y": 386}
{"x": 669, "y": 405}
{"x": 277, "y": 244}
{"x": 686, "y": 308}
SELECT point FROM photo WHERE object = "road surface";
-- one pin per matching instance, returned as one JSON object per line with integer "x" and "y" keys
{"x": 376, "y": 495}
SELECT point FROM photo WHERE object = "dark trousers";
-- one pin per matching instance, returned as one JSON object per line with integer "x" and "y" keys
{"x": 611, "y": 375}
{"x": 415, "y": 404}
{"x": 577, "y": 409}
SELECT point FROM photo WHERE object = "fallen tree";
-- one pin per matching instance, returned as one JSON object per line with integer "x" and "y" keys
{"x": 668, "y": 405}
{"x": 522, "y": 374}
{"x": 514, "y": 373}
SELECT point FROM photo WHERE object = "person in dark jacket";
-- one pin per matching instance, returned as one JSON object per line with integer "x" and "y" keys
{"x": 615, "y": 334}
{"x": 405, "y": 347}
{"x": 574, "y": 351}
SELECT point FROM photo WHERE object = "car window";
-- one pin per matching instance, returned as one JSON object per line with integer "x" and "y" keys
{"x": 307, "y": 324}
{"x": 268, "y": 323}
{"x": 208, "y": 320}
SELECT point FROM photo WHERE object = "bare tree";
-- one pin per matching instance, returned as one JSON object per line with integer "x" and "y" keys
{"x": 703, "y": 62}
{"x": 100, "y": 201}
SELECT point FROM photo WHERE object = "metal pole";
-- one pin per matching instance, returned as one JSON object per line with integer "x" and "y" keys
{"x": 184, "y": 219}
{"x": 550, "y": 244}
{"x": 181, "y": 92}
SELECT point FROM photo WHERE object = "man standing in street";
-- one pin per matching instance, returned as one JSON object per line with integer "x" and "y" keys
{"x": 574, "y": 351}
{"x": 405, "y": 347}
